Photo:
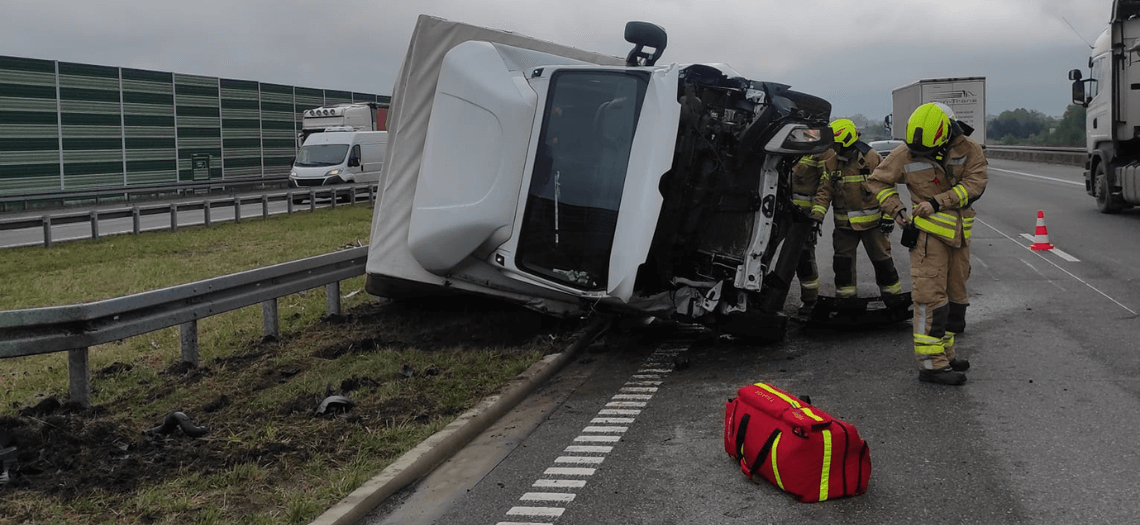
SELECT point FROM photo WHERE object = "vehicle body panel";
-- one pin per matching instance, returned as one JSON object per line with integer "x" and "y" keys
{"x": 966, "y": 96}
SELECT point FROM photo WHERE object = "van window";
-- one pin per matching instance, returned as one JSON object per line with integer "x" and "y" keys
{"x": 316, "y": 155}
{"x": 579, "y": 171}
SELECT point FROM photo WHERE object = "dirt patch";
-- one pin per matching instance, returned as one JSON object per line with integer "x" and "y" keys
{"x": 67, "y": 451}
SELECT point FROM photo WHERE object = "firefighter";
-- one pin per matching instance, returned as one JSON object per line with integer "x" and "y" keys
{"x": 858, "y": 217}
{"x": 945, "y": 172}
{"x": 805, "y": 183}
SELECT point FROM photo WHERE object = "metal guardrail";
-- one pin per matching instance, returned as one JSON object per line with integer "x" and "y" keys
{"x": 129, "y": 193}
{"x": 76, "y": 328}
{"x": 1043, "y": 154}
{"x": 206, "y": 205}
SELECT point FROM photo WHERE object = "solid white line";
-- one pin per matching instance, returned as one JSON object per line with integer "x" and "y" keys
{"x": 588, "y": 449}
{"x": 1055, "y": 250}
{"x": 619, "y": 412}
{"x": 605, "y": 429}
{"x": 579, "y": 460}
{"x": 1081, "y": 184}
{"x": 597, "y": 439}
{"x": 549, "y": 512}
{"x": 560, "y": 483}
{"x": 612, "y": 421}
{"x": 1093, "y": 288}
{"x": 548, "y": 496}
{"x": 569, "y": 471}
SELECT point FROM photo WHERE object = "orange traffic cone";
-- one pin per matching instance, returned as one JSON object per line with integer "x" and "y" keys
{"x": 1041, "y": 240}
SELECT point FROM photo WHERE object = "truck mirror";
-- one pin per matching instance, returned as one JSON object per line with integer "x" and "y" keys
{"x": 1079, "y": 93}
{"x": 1075, "y": 74}
{"x": 643, "y": 34}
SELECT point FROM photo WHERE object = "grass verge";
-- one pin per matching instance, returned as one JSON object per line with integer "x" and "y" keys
{"x": 394, "y": 372}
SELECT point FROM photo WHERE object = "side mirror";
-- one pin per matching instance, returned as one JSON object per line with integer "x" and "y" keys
{"x": 643, "y": 34}
{"x": 1079, "y": 93}
{"x": 1075, "y": 74}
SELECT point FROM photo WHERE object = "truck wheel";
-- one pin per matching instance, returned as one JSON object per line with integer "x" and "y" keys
{"x": 1105, "y": 202}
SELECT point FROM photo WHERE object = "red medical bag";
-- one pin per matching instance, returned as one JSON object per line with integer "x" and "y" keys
{"x": 795, "y": 446}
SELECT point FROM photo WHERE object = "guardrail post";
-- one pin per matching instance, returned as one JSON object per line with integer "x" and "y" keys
{"x": 332, "y": 297}
{"x": 264, "y": 206}
{"x": 269, "y": 323}
{"x": 334, "y": 192}
{"x": 47, "y": 231}
{"x": 79, "y": 376}
{"x": 371, "y": 194}
{"x": 289, "y": 204}
{"x": 189, "y": 333}
{"x": 173, "y": 217}
{"x": 312, "y": 199}
{"x": 237, "y": 209}
{"x": 136, "y": 220}
{"x": 95, "y": 225}
{"x": 206, "y": 212}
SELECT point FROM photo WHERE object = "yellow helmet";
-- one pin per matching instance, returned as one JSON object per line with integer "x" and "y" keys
{"x": 845, "y": 132}
{"x": 928, "y": 128}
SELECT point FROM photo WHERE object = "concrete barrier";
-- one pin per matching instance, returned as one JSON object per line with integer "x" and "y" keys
{"x": 1065, "y": 156}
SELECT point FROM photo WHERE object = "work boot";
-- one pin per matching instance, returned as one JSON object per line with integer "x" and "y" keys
{"x": 959, "y": 365}
{"x": 944, "y": 376}
{"x": 806, "y": 309}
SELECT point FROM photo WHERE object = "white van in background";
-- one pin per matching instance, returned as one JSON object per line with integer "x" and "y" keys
{"x": 337, "y": 156}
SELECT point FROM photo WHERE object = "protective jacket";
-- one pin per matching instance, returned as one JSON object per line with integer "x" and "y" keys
{"x": 950, "y": 184}
{"x": 841, "y": 187}
{"x": 806, "y": 176}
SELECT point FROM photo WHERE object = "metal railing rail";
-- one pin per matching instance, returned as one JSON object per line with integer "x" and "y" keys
{"x": 1045, "y": 154}
{"x": 205, "y": 205}
{"x": 76, "y": 328}
{"x": 141, "y": 190}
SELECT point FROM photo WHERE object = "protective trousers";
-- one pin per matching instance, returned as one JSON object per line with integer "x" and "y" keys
{"x": 846, "y": 241}
{"x": 938, "y": 276}
{"x": 808, "y": 273}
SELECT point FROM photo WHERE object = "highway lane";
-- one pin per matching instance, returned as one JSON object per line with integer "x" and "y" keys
{"x": 1041, "y": 433}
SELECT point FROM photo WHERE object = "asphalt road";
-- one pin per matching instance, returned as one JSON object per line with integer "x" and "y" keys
{"x": 1041, "y": 433}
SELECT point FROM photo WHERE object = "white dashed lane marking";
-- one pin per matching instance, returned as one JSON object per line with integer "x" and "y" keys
{"x": 611, "y": 423}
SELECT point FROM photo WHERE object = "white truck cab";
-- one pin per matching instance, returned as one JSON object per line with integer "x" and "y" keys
{"x": 339, "y": 155}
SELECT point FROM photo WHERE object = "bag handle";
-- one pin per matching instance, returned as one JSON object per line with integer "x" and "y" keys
{"x": 764, "y": 451}
{"x": 741, "y": 431}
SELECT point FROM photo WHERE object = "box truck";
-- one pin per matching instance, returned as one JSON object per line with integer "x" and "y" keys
{"x": 966, "y": 96}
{"x": 574, "y": 182}
{"x": 339, "y": 155}
{"x": 360, "y": 116}
{"x": 1112, "y": 118}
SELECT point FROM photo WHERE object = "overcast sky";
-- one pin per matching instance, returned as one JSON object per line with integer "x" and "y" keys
{"x": 852, "y": 53}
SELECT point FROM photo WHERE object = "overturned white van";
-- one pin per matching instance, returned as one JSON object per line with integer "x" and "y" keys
{"x": 570, "y": 181}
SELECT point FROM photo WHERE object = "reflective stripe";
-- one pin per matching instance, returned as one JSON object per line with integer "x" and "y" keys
{"x": 802, "y": 203}
{"x": 826, "y": 473}
{"x": 864, "y": 216}
{"x": 854, "y": 178}
{"x": 926, "y": 225}
{"x": 810, "y": 285}
{"x": 929, "y": 349}
{"x": 886, "y": 194}
{"x": 923, "y": 338}
{"x": 948, "y": 339}
{"x": 963, "y": 197}
{"x": 775, "y": 469}
{"x": 967, "y": 226}
{"x": 917, "y": 166}
{"x": 845, "y": 291}
{"x": 842, "y": 217}
{"x": 811, "y": 162}
{"x": 790, "y": 400}
{"x": 892, "y": 289}
{"x": 956, "y": 161}
{"x": 944, "y": 218}
{"x": 802, "y": 200}
{"x": 822, "y": 210}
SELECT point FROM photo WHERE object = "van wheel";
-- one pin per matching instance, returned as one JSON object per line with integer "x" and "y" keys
{"x": 1105, "y": 201}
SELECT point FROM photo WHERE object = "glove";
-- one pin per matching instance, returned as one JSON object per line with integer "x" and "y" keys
{"x": 817, "y": 228}
{"x": 886, "y": 225}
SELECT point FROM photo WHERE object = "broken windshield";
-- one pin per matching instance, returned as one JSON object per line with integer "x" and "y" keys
{"x": 579, "y": 172}
{"x": 316, "y": 155}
